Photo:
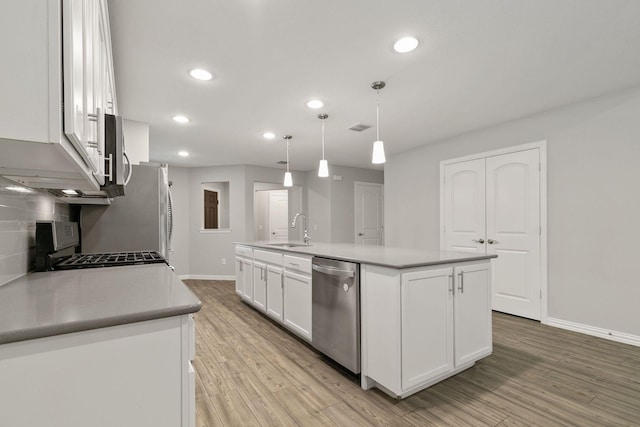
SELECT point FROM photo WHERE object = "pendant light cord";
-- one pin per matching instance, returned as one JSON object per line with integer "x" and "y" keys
{"x": 377, "y": 114}
{"x": 322, "y": 139}
{"x": 287, "y": 155}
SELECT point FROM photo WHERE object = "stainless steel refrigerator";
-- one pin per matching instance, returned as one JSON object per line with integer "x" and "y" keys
{"x": 141, "y": 220}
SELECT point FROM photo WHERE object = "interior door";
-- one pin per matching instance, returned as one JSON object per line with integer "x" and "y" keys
{"x": 369, "y": 220}
{"x": 278, "y": 216}
{"x": 210, "y": 209}
{"x": 464, "y": 206}
{"x": 513, "y": 231}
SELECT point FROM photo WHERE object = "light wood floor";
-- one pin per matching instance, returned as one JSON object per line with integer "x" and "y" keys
{"x": 251, "y": 372}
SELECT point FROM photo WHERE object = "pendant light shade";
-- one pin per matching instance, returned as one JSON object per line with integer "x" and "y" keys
{"x": 288, "y": 180}
{"x": 323, "y": 167}
{"x": 378, "y": 157}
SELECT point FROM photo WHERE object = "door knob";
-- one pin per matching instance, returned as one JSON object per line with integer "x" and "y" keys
{"x": 481, "y": 240}
{"x": 360, "y": 234}
{"x": 491, "y": 241}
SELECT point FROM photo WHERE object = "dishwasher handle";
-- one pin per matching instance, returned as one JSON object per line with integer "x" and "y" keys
{"x": 333, "y": 271}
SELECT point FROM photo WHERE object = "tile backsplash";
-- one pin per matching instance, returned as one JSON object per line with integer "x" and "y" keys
{"x": 18, "y": 215}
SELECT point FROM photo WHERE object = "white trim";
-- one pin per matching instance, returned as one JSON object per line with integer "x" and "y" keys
{"x": 215, "y": 230}
{"x": 595, "y": 331}
{"x": 542, "y": 146}
{"x": 206, "y": 277}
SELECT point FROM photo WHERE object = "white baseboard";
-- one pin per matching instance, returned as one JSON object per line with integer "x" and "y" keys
{"x": 205, "y": 277}
{"x": 595, "y": 331}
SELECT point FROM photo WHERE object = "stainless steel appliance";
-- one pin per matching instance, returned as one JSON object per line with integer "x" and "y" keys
{"x": 335, "y": 311}
{"x": 139, "y": 221}
{"x": 57, "y": 241}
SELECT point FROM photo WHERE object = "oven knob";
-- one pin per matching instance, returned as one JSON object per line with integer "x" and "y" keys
{"x": 345, "y": 287}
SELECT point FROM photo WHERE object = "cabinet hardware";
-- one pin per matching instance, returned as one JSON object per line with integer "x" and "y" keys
{"x": 93, "y": 117}
{"x": 480, "y": 240}
{"x": 92, "y": 144}
{"x": 461, "y": 285}
{"x": 491, "y": 241}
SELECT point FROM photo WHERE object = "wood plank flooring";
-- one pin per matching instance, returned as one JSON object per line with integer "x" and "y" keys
{"x": 252, "y": 372}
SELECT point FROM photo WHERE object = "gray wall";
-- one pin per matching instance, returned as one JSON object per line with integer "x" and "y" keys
{"x": 18, "y": 215}
{"x": 332, "y": 202}
{"x": 593, "y": 150}
{"x": 179, "y": 248}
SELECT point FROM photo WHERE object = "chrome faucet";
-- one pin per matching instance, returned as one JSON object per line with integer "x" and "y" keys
{"x": 306, "y": 236}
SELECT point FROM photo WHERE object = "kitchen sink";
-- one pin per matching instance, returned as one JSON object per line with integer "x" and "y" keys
{"x": 287, "y": 245}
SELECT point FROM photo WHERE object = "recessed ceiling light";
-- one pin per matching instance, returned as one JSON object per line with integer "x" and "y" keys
{"x": 18, "y": 189}
{"x": 200, "y": 74}
{"x": 70, "y": 192}
{"x": 181, "y": 119}
{"x": 405, "y": 44}
{"x": 183, "y": 153}
{"x": 315, "y": 103}
{"x": 269, "y": 135}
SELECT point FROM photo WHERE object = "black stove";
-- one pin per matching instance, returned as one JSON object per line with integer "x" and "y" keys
{"x": 109, "y": 259}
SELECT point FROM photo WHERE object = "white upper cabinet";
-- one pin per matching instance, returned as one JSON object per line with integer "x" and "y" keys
{"x": 57, "y": 83}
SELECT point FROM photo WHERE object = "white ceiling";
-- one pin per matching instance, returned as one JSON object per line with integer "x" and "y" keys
{"x": 480, "y": 62}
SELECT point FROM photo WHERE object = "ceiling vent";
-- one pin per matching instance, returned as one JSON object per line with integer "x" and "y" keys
{"x": 282, "y": 162}
{"x": 359, "y": 127}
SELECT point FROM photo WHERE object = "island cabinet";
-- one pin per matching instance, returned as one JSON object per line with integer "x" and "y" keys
{"x": 297, "y": 294}
{"x": 422, "y": 325}
{"x": 244, "y": 273}
{"x": 137, "y": 374}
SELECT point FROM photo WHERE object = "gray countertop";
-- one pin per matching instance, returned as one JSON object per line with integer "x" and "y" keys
{"x": 377, "y": 255}
{"x": 51, "y": 303}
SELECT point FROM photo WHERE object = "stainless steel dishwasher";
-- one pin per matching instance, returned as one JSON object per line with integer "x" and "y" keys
{"x": 335, "y": 312}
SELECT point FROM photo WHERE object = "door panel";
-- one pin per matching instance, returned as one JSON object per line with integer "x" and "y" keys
{"x": 513, "y": 231}
{"x": 278, "y": 216}
{"x": 369, "y": 208}
{"x": 464, "y": 206}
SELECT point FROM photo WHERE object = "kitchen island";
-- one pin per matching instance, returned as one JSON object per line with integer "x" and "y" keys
{"x": 424, "y": 315}
{"x": 97, "y": 346}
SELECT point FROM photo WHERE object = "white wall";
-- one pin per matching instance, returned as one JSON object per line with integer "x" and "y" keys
{"x": 18, "y": 215}
{"x": 593, "y": 203}
{"x": 136, "y": 141}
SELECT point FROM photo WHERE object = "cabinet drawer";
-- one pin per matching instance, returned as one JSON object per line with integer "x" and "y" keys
{"x": 244, "y": 251}
{"x": 268, "y": 256}
{"x": 299, "y": 263}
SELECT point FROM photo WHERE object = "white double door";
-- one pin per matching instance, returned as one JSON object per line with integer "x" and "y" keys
{"x": 492, "y": 205}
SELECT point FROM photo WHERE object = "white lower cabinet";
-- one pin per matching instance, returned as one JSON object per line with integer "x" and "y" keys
{"x": 297, "y": 303}
{"x": 275, "y": 292}
{"x": 279, "y": 285}
{"x": 259, "y": 285}
{"x": 137, "y": 374}
{"x": 442, "y": 316}
{"x": 244, "y": 272}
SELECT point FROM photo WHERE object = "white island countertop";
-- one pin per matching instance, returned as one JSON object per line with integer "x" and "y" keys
{"x": 385, "y": 256}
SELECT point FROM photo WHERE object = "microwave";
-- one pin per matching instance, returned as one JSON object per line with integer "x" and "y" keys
{"x": 117, "y": 164}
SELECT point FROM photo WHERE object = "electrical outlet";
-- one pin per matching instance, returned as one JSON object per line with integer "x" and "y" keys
{"x": 223, "y": 261}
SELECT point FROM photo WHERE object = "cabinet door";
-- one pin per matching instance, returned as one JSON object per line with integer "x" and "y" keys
{"x": 239, "y": 276}
{"x": 427, "y": 325}
{"x": 275, "y": 286}
{"x": 472, "y": 313}
{"x": 297, "y": 303}
{"x": 247, "y": 280}
{"x": 260, "y": 286}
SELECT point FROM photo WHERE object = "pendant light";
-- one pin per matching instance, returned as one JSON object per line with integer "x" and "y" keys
{"x": 378, "y": 156}
{"x": 288, "y": 180}
{"x": 323, "y": 168}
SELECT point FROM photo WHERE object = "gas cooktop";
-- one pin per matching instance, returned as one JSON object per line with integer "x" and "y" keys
{"x": 109, "y": 259}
